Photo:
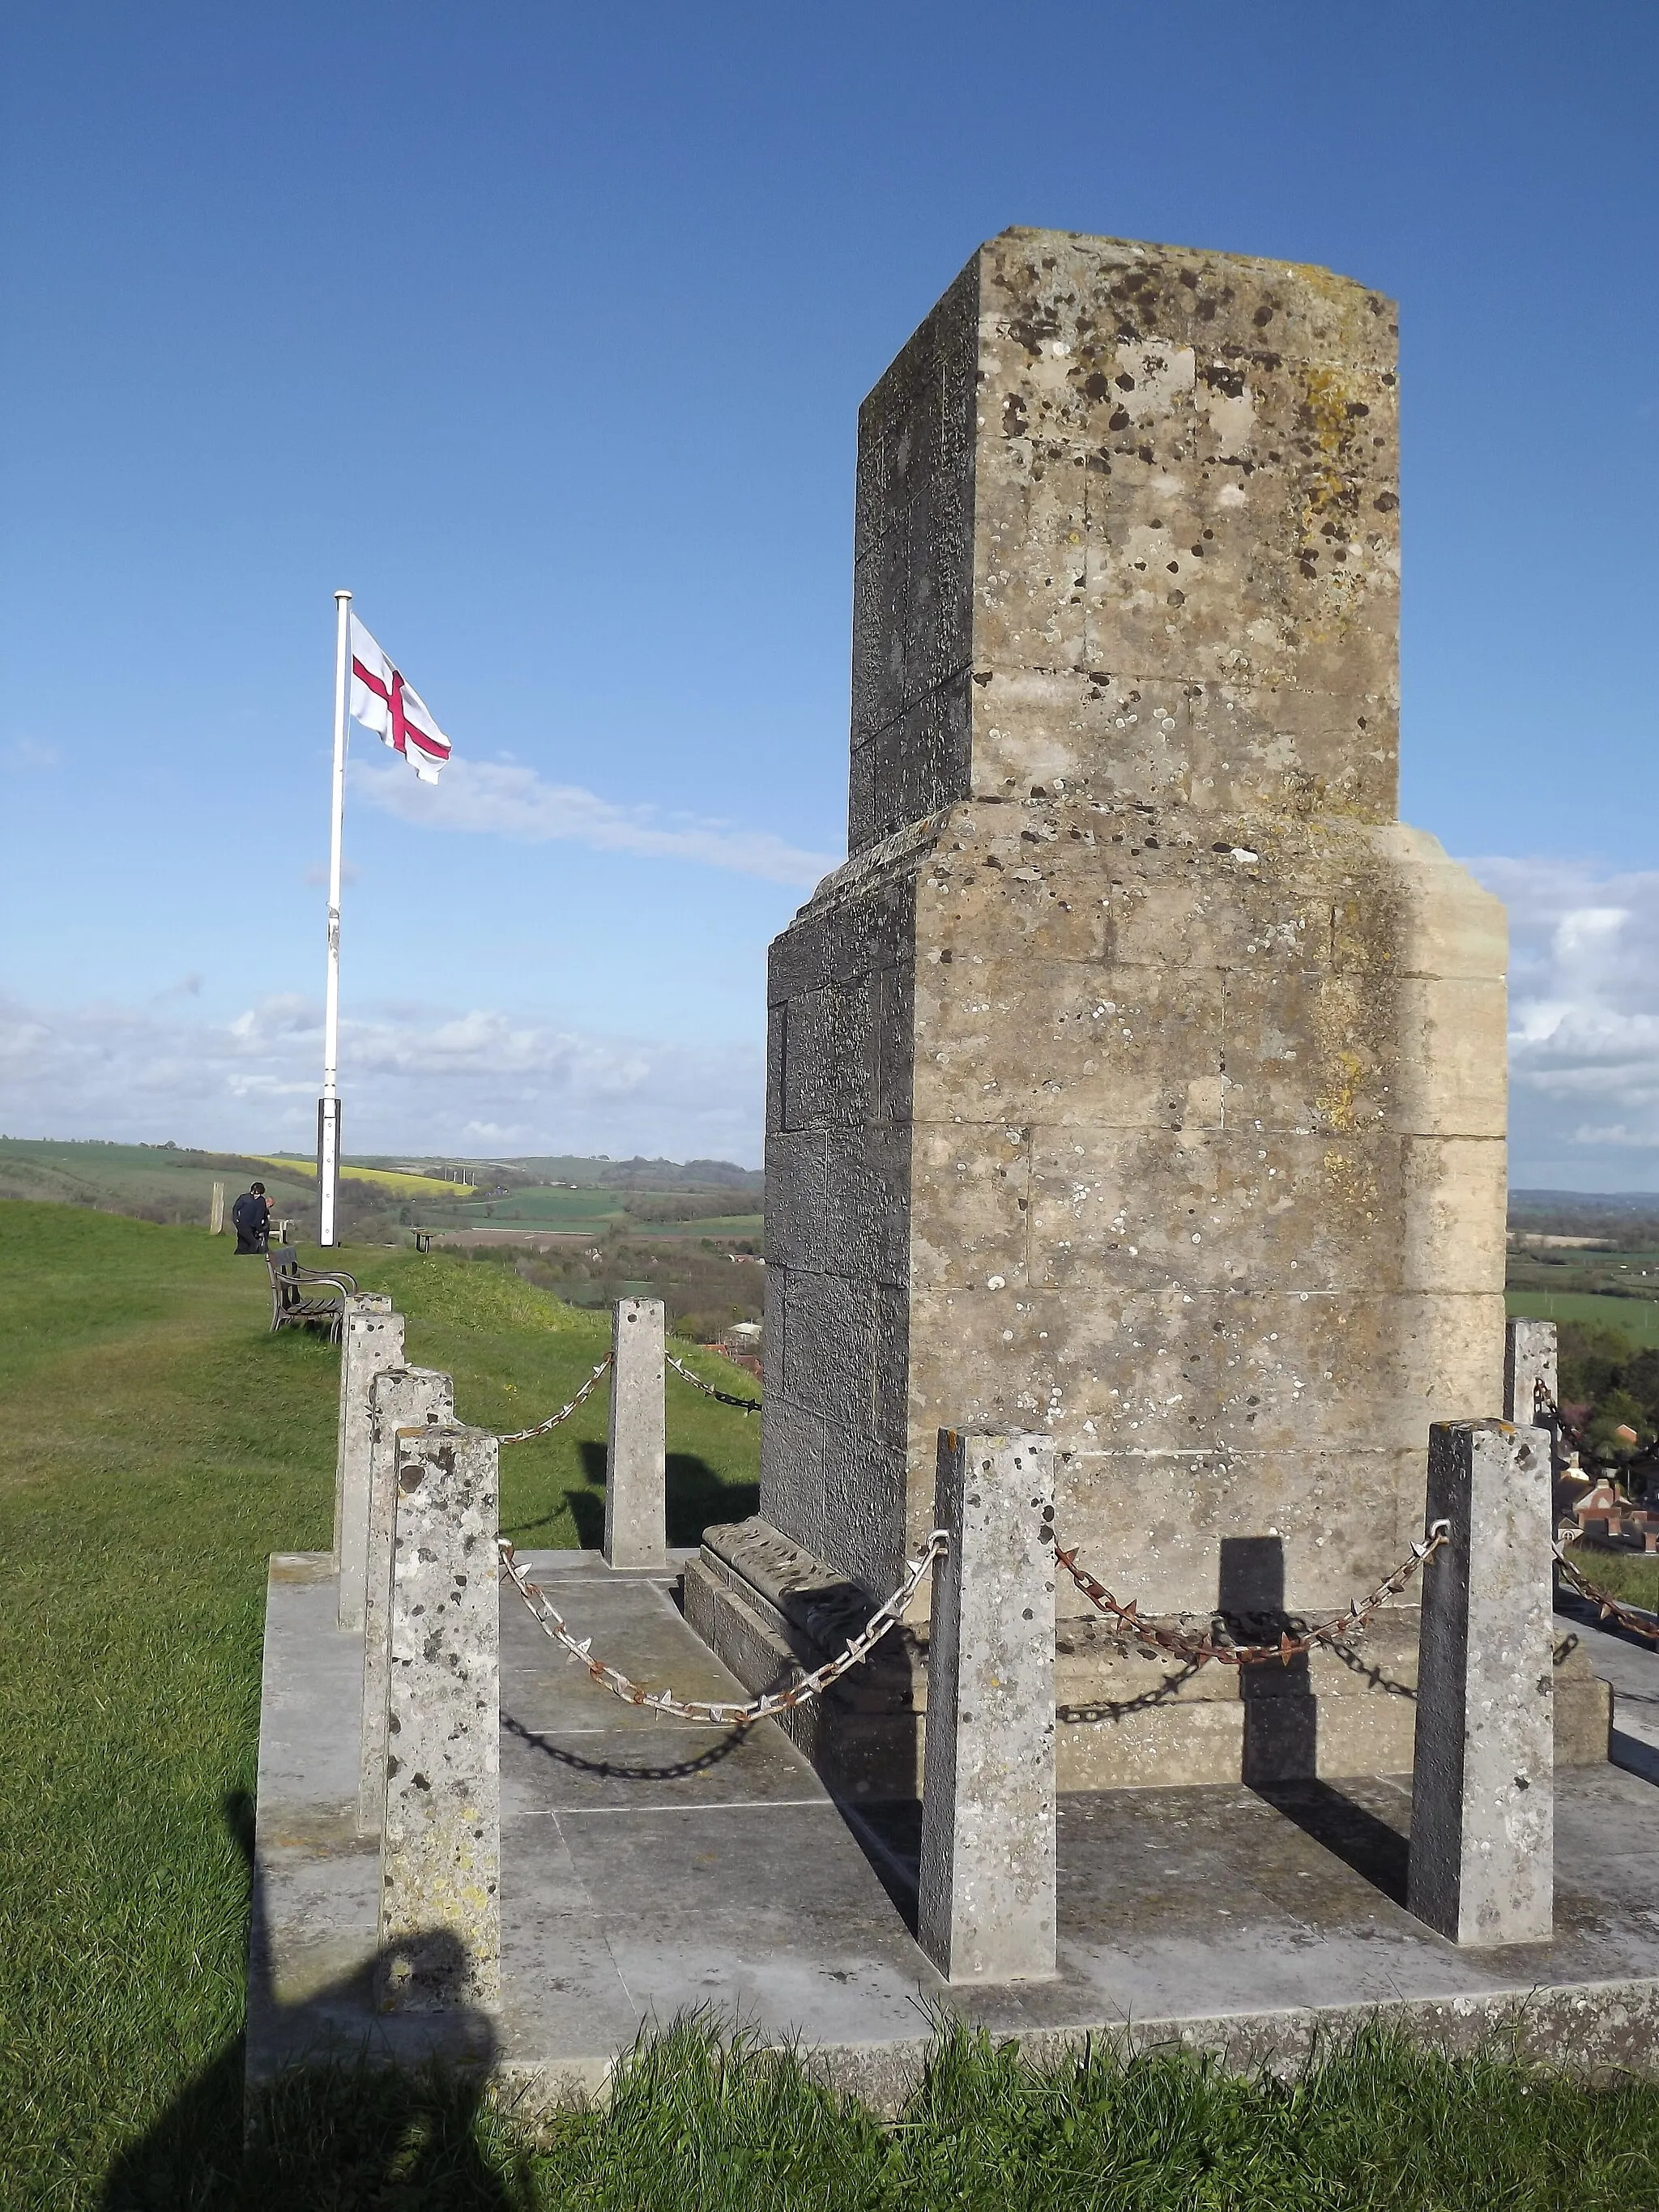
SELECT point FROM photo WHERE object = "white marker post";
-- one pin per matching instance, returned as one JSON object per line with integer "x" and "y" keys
{"x": 328, "y": 1106}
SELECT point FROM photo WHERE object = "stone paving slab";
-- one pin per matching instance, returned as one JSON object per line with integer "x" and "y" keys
{"x": 650, "y": 1866}
{"x": 1631, "y": 1663}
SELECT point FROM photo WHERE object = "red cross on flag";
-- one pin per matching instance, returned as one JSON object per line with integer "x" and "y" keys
{"x": 383, "y": 702}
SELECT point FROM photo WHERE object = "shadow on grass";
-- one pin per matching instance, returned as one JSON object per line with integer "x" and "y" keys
{"x": 340, "y": 2125}
{"x": 698, "y": 1497}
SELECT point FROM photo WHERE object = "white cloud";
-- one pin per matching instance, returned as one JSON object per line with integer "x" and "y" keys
{"x": 30, "y": 752}
{"x": 1583, "y": 1023}
{"x": 469, "y": 1082}
{"x": 504, "y": 799}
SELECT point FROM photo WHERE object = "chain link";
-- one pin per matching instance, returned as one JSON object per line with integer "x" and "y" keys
{"x": 1639, "y": 1624}
{"x": 743, "y": 1404}
{"x": 541, "y": 1429}
{"x": 696, "y": 1709}
{"x": 1198, "y": 1650}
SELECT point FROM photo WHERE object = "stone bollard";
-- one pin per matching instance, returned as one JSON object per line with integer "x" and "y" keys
{"x": 636, "y": 1464}
{"x": 1483, "y": 1798}
{"x": 985, "y": 1911}
{"x": 440, "y": 1845}
{"x": 1529, "y": 1363}
{"x": 371, "y": 1342}
{"x": 216, "y": 1211}
{"x": 401, "y": 1398}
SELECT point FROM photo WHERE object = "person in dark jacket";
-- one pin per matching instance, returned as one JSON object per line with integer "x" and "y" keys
{"x": 250, "y": 1218}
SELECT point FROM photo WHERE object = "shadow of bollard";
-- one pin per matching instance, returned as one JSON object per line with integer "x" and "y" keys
{"x": 1282, "y": 1714}
{"x": 1280, "y": 1760}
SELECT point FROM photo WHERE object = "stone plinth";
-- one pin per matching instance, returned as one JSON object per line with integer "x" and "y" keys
{"x": 1140, "y": 1077}
{"x": 1124, "y": 1719}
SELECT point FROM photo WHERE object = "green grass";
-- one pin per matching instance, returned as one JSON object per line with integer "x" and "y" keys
{"x": 1637, "y": 1318}
{"x": 158, "y": 1444}
{"x": 1376, "y": 2127}
{"x": 550, "y": 1209}
{"x": 1633, "y": 1577}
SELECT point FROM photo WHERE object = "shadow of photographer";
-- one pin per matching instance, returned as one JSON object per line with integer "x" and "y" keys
{"x": 356, "y": 2108}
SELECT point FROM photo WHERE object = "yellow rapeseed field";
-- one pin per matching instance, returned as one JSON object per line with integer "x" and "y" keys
{"x": 404, "y": 1186}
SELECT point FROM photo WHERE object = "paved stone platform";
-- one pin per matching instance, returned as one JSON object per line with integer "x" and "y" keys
{"x": 651, "y": 1865}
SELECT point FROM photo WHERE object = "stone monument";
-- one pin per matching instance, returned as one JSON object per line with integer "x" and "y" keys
{"x": 1140, "y": 1077}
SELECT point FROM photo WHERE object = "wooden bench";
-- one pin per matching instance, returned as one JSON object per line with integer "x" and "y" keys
{"x": 294, "y": 1302}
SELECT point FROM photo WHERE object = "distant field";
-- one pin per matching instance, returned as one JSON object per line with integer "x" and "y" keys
{"x": 1637, "y": 1318}
{"x": 545, "y": 1209}
{"x": 400, "y": 1185}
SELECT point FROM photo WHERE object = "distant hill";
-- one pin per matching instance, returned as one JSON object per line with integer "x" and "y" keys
{"x": 600, "y": 1174}
{"x": 1588, "y": 1201}
{"x": 381, "y": 1197}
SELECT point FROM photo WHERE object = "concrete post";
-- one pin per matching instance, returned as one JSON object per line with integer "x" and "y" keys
{"x": 216, "y": 1211}
{"x": 637, "y": 1462}
{"x": 371, "y": 1342}
{"x": 400, "y": 1398}
{"x": 441, "y": 1847}
{"x": 1528, "y": 1360}
{"x": 1482, "y": 1843}
{"x": 986, "y": 1905}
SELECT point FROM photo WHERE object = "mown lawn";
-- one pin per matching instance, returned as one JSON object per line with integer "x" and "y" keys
{"x": 156, "y": 1445}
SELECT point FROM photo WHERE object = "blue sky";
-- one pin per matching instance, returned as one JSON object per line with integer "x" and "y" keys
{"x": 544, "y": 330}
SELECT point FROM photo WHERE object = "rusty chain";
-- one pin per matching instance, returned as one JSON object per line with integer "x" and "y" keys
{"x": 1198, "y": 1650}
{"x": 1611, "y": 1608}
{"x": 743, "y": 1404}
{"x": 541, "y": 1429}
{"x": 1639, "y": 1624}
{"x": 721, "y": 1713}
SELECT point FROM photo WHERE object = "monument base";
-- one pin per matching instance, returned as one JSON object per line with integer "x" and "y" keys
{"x": 650, "y": 1867}
{"x": 766, "y": 1607}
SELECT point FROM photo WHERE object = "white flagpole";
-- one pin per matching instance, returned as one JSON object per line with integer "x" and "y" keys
{"x": 328, "y": 1106}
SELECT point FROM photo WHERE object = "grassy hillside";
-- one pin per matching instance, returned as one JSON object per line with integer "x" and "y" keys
{"x": 158, "y": 1444}
{"x": 163, "y": 1181}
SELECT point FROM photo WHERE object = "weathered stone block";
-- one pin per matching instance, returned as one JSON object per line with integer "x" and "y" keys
{"x": 440, "y": 1849}
{"x": 1126, "y": 1720}
{"x": 400, "y": 1398}
{"x": 1140, "y": 1077}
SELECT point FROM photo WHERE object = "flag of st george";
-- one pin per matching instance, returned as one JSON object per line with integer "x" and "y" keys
{"x": 383, "y": 702}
